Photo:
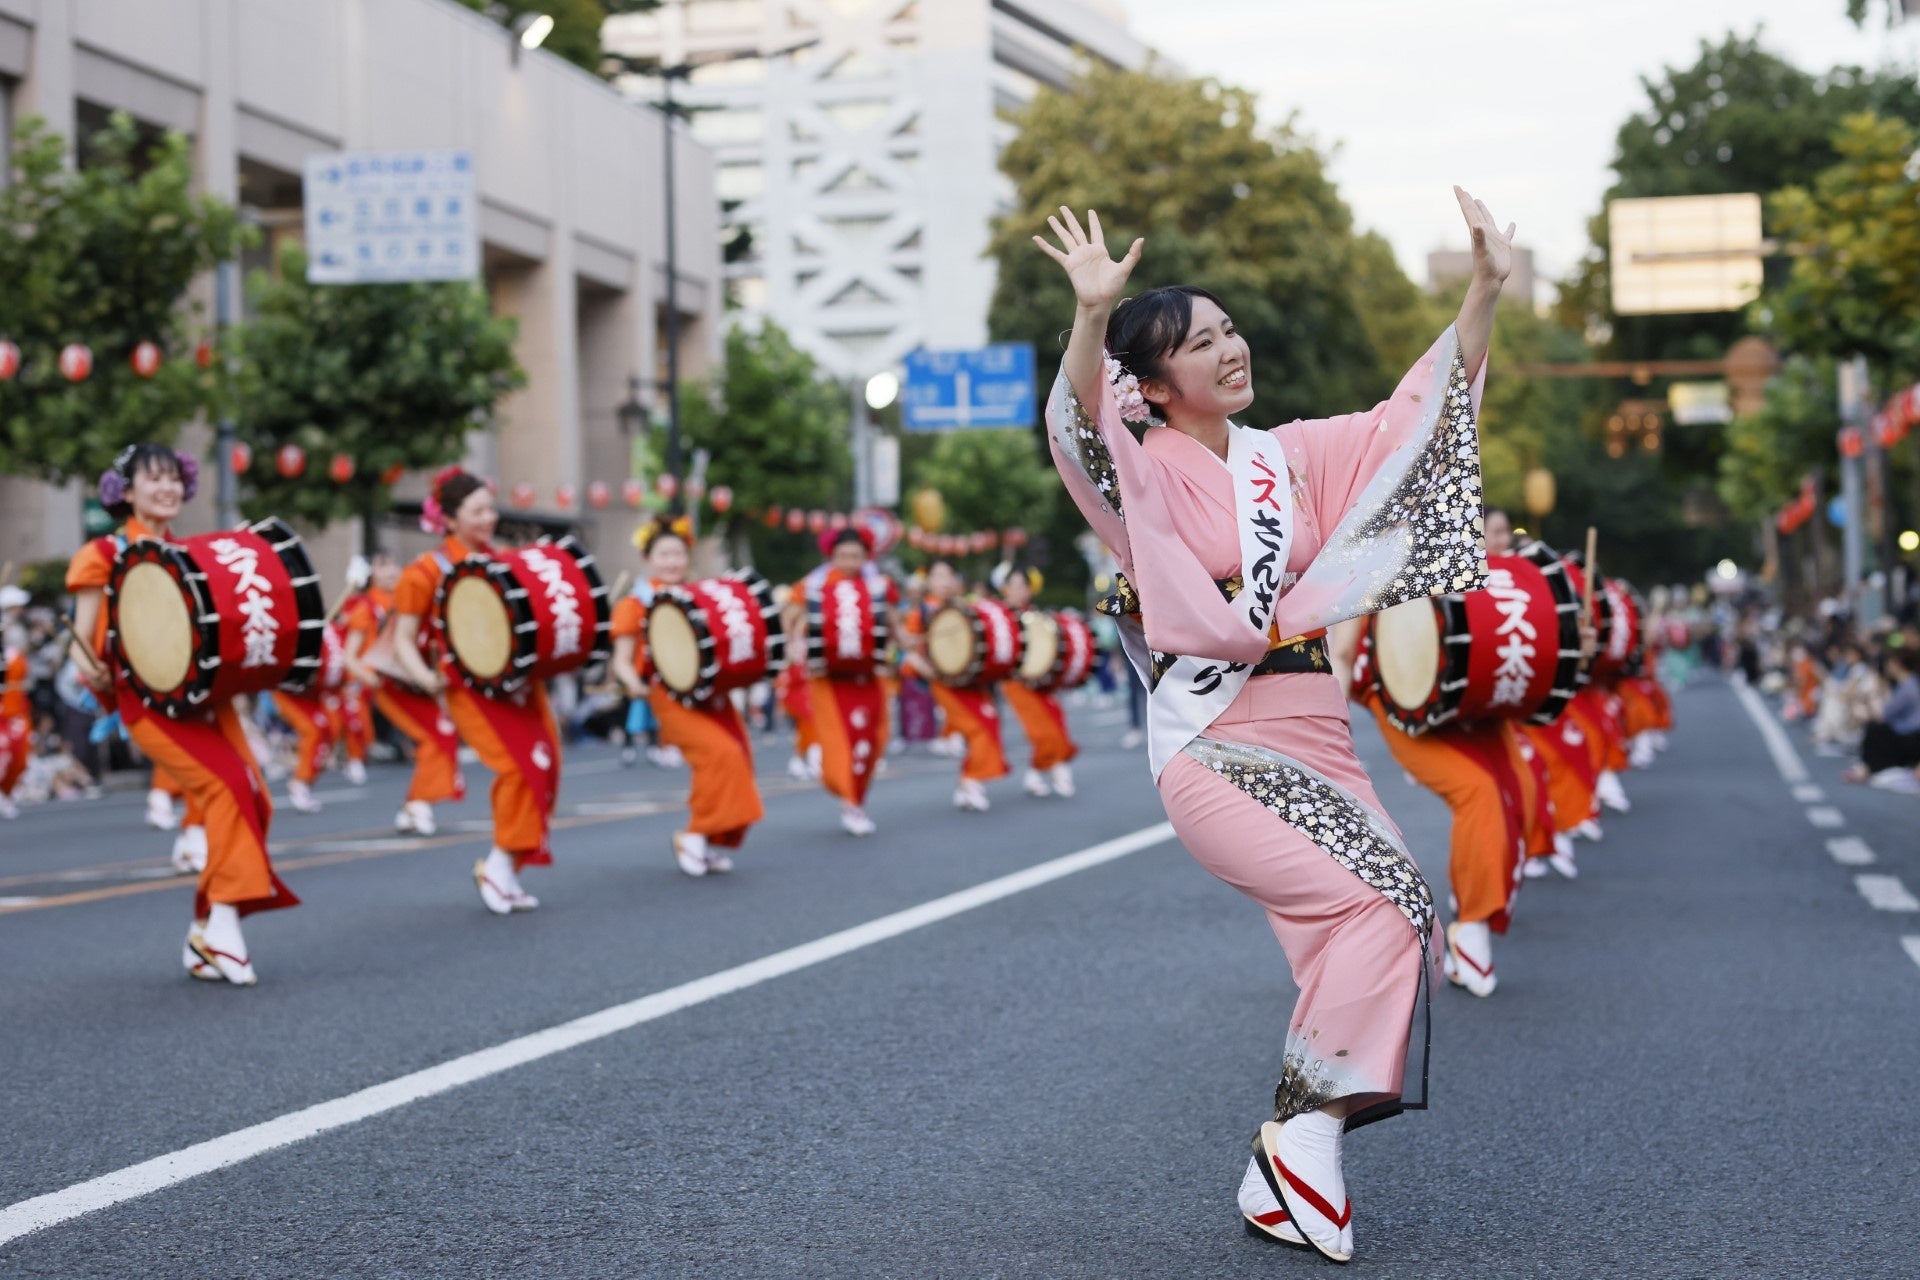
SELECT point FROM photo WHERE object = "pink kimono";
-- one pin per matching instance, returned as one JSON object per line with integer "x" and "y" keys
{"x": 1262, "y": 784}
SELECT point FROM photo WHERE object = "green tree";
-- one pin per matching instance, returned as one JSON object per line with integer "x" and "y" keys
{"x": 1854, "y": 285}
{"x": 776, "y": 429}
{"x": 1246, "y": 212}
{"x": 990, "y": 480}
{"x": 388, "y": 376}
{"x": 1768, "y": 452}
{"x": 1739, "y": 119}
{"x": 576, "y": 24}
{"x": 102, "y": 255}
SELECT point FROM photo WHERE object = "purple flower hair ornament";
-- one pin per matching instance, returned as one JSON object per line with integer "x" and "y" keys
{"x": 113, "y": 488}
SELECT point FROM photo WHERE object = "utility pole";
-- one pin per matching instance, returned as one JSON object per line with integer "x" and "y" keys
{"x": 1853, "y": 413}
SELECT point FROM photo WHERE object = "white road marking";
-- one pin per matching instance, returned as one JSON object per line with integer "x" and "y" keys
{"x": 1807, "y": 793}
{"x": 1826, "y": 816}
{"x": 1785, "y": 758}
{"x": 1912, "y": 943}
{"x": 375, "y": 844}
{"x": 40, "y": 1212}
{"x": 1850, "y": 851}
{"x": 17, "y": 902}
{"x": 1886, "y": 893}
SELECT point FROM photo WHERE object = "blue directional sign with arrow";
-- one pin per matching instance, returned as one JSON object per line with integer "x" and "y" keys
{"x": 991, "y": 386}
{"x": 377, "y": 216}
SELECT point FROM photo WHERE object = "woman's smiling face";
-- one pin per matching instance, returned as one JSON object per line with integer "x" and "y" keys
{"x": 1209, "y": 374}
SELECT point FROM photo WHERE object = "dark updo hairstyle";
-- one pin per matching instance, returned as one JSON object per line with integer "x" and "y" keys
{"x": 651, "y": 535}
{"x": 131, "y": 461}
{"x": 1145, "y": 329}
{"x": 454, "y": 488}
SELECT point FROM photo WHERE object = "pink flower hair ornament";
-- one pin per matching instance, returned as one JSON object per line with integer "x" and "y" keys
{"x": 1126, "y": 390}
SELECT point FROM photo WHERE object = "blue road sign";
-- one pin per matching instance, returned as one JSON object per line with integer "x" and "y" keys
{"x": 989, "y": 386}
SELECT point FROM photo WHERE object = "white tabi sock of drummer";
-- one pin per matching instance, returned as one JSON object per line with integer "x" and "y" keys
{"x": 223, "y": 931}
{"x": 500, "y": 870}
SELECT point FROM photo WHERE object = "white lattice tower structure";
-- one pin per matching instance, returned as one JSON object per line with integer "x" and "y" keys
{"x": 863, "y": 166}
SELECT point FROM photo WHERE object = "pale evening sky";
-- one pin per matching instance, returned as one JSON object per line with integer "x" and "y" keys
{"x": 1517, "y": 100}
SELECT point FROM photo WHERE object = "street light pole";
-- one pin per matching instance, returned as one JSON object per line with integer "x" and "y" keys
{"x": 673, "y": 299}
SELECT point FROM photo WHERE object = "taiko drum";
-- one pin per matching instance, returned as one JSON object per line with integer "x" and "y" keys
{"x": 196, "y": 622}
{"x": 974, "y": 642}
{"x": 715, "y": 635}
{"x": 512, "y": 620}
{"x": 1057, "y": 652}
{"x": 1509, "y": 650}
{"x": 847, "y": 629}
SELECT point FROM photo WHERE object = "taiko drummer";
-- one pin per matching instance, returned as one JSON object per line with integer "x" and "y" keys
{"x": 1050, "y": 771}
{"x": 205, "y": 754}
{"x": 514, "y": 736}
{"x": 723, "y": 800}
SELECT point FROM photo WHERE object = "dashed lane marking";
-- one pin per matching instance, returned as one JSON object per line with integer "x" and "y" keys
{"x": 149, "y": 1176}
{"x": 1826, "y": 816}
{"x": 1886, "y": 893}
{"x": 1785, "y": 758}
{"x": 17, "y": 902}
{"x": 1850, "y": 851}
{"x": 1912, "y": 943}
{"x": 1807, "y": 793}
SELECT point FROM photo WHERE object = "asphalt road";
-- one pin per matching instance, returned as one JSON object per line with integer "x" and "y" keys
{"x": 1696, "y": 1064}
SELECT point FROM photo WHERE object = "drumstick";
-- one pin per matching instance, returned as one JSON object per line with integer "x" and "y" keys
{"x": 79, "y": 646}
{"x": 620, "y": 585}
{"x": 6, "y": 573}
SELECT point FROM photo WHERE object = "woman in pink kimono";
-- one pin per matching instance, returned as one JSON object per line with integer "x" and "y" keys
{"x": 1238, "y": 549}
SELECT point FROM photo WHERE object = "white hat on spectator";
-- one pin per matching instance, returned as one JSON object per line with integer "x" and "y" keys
{"x": 12, "y": 597}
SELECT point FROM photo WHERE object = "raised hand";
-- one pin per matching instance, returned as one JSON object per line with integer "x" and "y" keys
{"x": 1097, "y": 278}
{"x": 1492, "y": 247}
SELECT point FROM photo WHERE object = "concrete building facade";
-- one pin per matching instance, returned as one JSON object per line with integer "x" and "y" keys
{"x": 862, "y": 168}
{"x": 569, "y": 173}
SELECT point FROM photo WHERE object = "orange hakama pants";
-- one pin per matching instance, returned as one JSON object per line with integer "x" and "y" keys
{"x": 1045, "y": 723}
{"x": 210, "y": 761}
{"x": 972, "y": 714}
{"x": 436, "y": 743}
{"x": 722, "y": 797}
{"x": 849, "y": 719}
{"x": 519, "y": 741}
{"x": 313, "y": 729}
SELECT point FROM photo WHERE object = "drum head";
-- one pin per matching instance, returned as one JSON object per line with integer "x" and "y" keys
{"x": 478, "y": 627}
{"x": 951, "y": 646}
{"x": 1042, "y": 645}
{"x": 673, "y": 646}
{"x": 155, "y": 626}
{"x": 1406, "y": 649}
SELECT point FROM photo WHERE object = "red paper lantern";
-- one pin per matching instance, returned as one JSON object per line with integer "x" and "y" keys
{"x": 985, "y": 540}
{"x": 203, "y": 354}
{"x": 341, "y": 468}
{"x": 632, "y": 492}
{"x": 523, "y": 495}
{"x": 666, "y": 484}
{"x": 696, "y": 489}
{"x": 722, "y": 498}
{"x": 837, "y": 521}
{"x": 9, "y": 360}
{"x": 1853, "y": 442}
{"x": 1014, "y": 537}
{"x": 914, "y": 538}
{"x": 564, "y": 495}
{"x": 772, "y": 517}
{"x": 76, "y": 362}
{"x": 598, "y": 495}
{"x": 391, "y": 476}
{"x": 816, "y": 521}
{"x": 291, "y": 460}
{"x": 796, "y": 520}
{"x": 240, "y": 458}
{"x": 146, "y": 359}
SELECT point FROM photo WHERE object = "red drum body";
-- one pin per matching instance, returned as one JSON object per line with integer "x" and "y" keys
{"x": 715, "y": 635}
{"x": 1058, "y": 651}
{"x": 1510, "y": 650}
{"x": 197, "y": 622}
{"x": 974, "y": 642}
{"x": 847, "y": 630}
{"x": 1622, "y": 644}
{"x": 525, "y": 616}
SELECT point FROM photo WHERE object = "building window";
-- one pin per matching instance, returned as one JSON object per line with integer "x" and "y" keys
{"x": 740, "y": 181}
{"x": 857, "y": 117}
{"x": 741, "y": 71}
{"x": 723, "y": 15}
{"x": 717, "y": 128}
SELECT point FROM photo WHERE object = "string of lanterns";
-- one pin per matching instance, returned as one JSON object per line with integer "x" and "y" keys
{"x": 75, "y": 360}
